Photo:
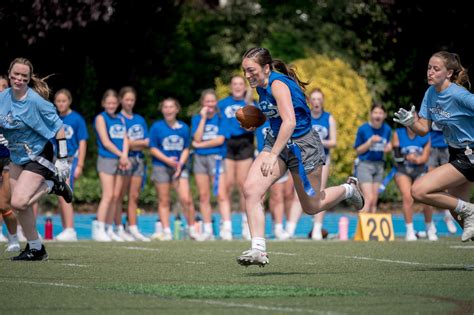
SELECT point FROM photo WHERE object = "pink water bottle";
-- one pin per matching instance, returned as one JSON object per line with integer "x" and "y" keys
{"x": 343, "y": 228}
{"x": 48, "y": 229}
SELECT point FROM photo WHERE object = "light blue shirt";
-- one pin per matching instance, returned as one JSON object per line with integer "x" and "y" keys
{"x": 453, "y": 112}
{"x": 31, "y": 122}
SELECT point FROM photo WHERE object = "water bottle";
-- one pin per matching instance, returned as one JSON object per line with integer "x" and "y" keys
{"x": 48, "y": 229}
{"x": 177, "y": 227}
{"x": 343, "y": 228}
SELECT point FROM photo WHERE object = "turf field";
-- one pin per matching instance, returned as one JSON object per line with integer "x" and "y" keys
{"x": 189, "y": 277}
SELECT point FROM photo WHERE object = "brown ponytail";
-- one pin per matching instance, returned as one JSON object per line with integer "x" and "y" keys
{"x": 453, "y": 62}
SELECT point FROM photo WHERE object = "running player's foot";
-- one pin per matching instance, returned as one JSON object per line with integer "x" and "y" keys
{"x": 61, "y": 188}
{"x": 467, "y": 215}
{"x": 253, "y": 257}
{"x": 357, "y": 198}
{"x": 31, "y": 254}
{"x": 67, "y": 235}
{"x": 450, "y": 225}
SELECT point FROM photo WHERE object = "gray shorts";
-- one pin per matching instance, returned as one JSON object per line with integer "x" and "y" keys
{"x": 312, "y": 151}
{"x": 206, "y": 164}
{"x": 110, "y": 166}
{"x": 438, "y": 157}
{"x": 412, "y": 172}
{"x": 370, "y": 171}
{"x": 138, "y": 166}
{"x": 163, "y": 174}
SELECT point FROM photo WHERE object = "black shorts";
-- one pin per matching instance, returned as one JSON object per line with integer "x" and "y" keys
{"x": 240, "y": 147}
{"x": 4, "y": 162}
{"x": 35, "y": 167}
{"x": 461, "y": 162}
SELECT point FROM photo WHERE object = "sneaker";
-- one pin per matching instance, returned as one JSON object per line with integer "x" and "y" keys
{"x": 137, "y": 236}
{"x": 317, "y": 234}
{"x": 431, "y": 234}
{"x": 61, "y": 188}
{"x": 13, "y": 247}
{"x": 226, "y": 234}
{"x": 467, "y": 215}
{"x": 450, "y": 224}
{"x": 112, "y": 235}
{"x": 357, "y": 198}
{"x": 253, "y": 257}
{"x": 205, "y": 237}
{"x": 124, "y": 234}
{"x": 31, "y": 254}
{"x": 162, "y": 236}
{"x": 410, "y": 236}
{"x": 67, "y": 235}
{"x": 281, "y": 235}
{"x": 100, "y": 235}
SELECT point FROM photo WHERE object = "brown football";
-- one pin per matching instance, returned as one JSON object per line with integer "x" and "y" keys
{"x": 250, "y": 116}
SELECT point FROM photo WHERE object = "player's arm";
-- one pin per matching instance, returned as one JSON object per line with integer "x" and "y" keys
{"x": 217, "y": 141}
{"x": 200, "y": 128}
{"x": 331, "y": 142}
{"x": 425, "y": 156}
{"x": 138, "y": 145}
{"x": 421, "y": 126}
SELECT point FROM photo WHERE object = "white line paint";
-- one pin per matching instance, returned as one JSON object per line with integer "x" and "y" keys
{"x": 397, "y": 261}
{"x": 195, "y": 262}
{"x": 462, "y": 247}
{"x": 75, "y": 265}
{"x": 142, "y": 248}
{"x": 54, "y": 284}
{"x": 281, "y": 253}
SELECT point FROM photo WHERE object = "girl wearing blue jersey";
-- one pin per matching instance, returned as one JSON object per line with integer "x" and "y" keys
{"x": 28, "y": 122}
{"x": 291, "y": 144}
{"x": 169, "y": 147}
{"x": 240, "y": 148}
{"x": 112, "y": 165}
{"x": 76, "y": 136}
{"x": 451, "y": 107}
{"x": 372, "y": 141}
{"x": 5, "y": 209}
{"x": 414, "y": 152}
{"x": 209, "y": 131}
{"x": 137, "y": 132}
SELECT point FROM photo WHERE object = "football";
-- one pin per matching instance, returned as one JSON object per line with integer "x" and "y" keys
{"x": 250, "y": 116}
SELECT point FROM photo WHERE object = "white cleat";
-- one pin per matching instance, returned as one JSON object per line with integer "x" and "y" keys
{"x": 253, "y": 257}
{"x": 357, "y": 198}
{"x": 282, "y": 235}
{"x": 450, "y": 224}
{"x": 101, "y": 236}
{"x": 410, "y": 237}
{"x": 67, "y": 235}
{"x": 13, "y": 247}
{"x": 317, "y": 234}
{"x": 113, "y": 236}
{"x": 431, "y": 233}
{"x": 205, "y": 237}
{"x": 467, "y": 214}
{"x": 226, "y": 234}
{"x": 124, "y": 235}
{"x": 138, "y": 236}
{"x": 162, "y": 236}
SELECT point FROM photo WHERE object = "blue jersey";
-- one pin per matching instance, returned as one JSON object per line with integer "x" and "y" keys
{"x": 28, "y": 123}
{"x": 116, "y": 129}
{"x": 76, "y": 130}
{"x": 411, "y": 146}
{"x": 4, "y": 152}
{"x": 453, "y": 111}
{"x": 375, "y": 152}
{"x": 321, "y": 125}
{"x": 171, "y": 141}
{"x": 268, "y": 105}
{"x": 228, "y": 107}
{"x": 437, "y": 139}
{"x": 214, "y": 127}
{"x": 137, "y": 129}
{"x": 260, "y": 134}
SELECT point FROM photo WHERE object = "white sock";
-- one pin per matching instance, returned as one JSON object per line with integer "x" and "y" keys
{"x": 410, "y": 228}
{"x": 100, "y": 226}
{"x": 317, "y": 226}
{"x": 349, "y": 190}
{"x": 50, "y": 185}
{"x": 460, "y": 206}
{"x": 290, "y": 228}
{"x": 133, "y": 229}
{"x": 278, "y": 228}
{"x": 167, "y": 230}
{"x": 208, "y": 228}
{"x": 259, "y": 243}
{"x": 36, "y": 244}
{"x": 429, "y": 226}
{"x": 227, "y": 225}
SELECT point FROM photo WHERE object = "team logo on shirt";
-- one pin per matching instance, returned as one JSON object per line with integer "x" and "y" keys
{"x": 117, "y": 131}
{"x": 210, "y": 132}
{"x": 322, "y": 131}
{"x": 68, "y": 131}
{"x": 136, "y": 132}
{"x": 231, "y": 110}
{"x": 437, "y": 110}
{"x": 173, "y": 143}
{"x": 8, "y": 122}
{"x": 412, "y": 149}
{"x": 270, "y": 110}
{"x": 379, "y": 146}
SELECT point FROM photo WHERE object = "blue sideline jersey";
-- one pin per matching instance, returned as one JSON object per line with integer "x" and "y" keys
{"x": 171, "y": 141}
{"x": 215, "y": 126}
{"x": 437, "y": 139}
{"x": 137, "y": 129}
{"x": 31, "y": 121}
{"x": 408, "y": 145}
{"x": 453, "y": 111}
{"x": 228, "y": 107}
{"x": 116, "y": 130}
{"x": 76, "y": 130}
{"x": 268, "y": 105}
{"x": 321, "y": 125}
{"x": 260, "y": 134}
{"x": 375, "y": 152}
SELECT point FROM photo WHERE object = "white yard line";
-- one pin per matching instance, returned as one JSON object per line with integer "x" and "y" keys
{"x": 462, "y": 247}
{"x": 75, "y": 265}
{"x": 54, "y": 284}
{"x": 402, "y": 262}
{"x": 141, "y": 248}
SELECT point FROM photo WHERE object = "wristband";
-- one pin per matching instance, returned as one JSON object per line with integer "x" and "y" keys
{"x": 62, "y": 148}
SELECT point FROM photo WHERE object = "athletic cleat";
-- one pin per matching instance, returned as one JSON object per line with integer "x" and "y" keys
{"x": 431, "y": 234}
{"x": 136, "y": 235}
{"x": 31, "y": 254}
{"x": 162, "y": 236}
{"x": 467, "y": 215}
{"x": 281, "y": 235}
{"x": 205, "y": 237}
{"x": 61, "y": 188}
{"x": 112, "y": 235}
{"x": 226, "y": 234}
{"x": 253, "y": 257}
{"x": 124, "y": 234}
{"x": 450, "y": 225}
{"x": 67, "y": 235}
{"x": 357, "y": 198}
{"x": 13, "y": 247}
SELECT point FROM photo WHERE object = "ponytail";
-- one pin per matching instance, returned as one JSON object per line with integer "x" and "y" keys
{"x": 288, "y": 70}
{"x": 453, "y": 62}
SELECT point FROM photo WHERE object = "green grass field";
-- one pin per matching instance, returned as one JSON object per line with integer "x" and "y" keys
{"x": 189, "y": 277}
